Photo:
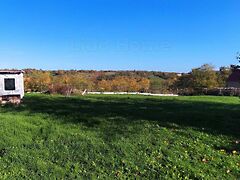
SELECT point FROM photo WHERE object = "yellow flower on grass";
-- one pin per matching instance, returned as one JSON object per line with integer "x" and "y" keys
{"x": 234, "y": 152}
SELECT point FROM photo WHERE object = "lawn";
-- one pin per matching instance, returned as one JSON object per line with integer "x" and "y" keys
{"x": 120, "y": 136}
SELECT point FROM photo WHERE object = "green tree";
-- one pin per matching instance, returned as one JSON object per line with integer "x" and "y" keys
{"x": 204, "y": 77}
{"x": 223, "y": 74}
{"x": 158, "y": 85}
{"x": 184, "y": 81}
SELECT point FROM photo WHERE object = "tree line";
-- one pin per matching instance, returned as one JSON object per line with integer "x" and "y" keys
{"x": 76, "y": 81}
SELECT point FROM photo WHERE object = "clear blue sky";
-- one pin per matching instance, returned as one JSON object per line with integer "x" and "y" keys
{"x": 165, "y": 35}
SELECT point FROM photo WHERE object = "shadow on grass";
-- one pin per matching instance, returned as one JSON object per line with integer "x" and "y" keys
{"x": 215, "y": 118}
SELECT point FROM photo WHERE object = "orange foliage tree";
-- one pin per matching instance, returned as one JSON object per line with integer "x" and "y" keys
{"x": 125, "y": 84}
{"x": 38, "y": 81}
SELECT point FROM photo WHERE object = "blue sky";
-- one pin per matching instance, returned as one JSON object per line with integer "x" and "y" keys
{"x": 164, "y": 35}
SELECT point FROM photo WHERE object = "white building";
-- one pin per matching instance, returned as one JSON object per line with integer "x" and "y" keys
{"x": 11, "y": 86}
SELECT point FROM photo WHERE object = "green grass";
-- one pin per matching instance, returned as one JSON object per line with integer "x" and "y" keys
{"x": 121, "y": 137}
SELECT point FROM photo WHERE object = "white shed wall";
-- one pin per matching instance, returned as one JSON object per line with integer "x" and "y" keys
{"x": 19, "y": 85}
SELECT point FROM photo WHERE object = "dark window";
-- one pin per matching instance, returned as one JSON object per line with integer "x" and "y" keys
{"x": 9, "y": 84}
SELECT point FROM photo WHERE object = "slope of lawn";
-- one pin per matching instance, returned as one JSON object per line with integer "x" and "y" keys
{"x": 107, "y": 137}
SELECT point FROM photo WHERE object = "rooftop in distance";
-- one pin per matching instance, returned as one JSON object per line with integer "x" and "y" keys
{"x": 11, "y": 71}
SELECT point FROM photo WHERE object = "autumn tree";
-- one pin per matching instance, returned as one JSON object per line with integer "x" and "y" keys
{"x": 67, "y": 83}
{"x": 38, "y": 81}
{"x": 104, "y": 85}
{"x": 120, "y": 84}
{"x": 27, "y": 84}
{"x": 144, "y": 84}
{"x": 125, "y": 84}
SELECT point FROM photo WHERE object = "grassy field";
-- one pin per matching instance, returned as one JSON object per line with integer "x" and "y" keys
{"x": 121, "y": 137}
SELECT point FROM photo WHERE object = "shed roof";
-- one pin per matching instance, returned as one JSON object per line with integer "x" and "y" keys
{"x": 11, "y": 71}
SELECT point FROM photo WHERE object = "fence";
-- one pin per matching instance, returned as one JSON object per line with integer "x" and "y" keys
{"x": 131, "y": 93}
{"x": 213, "y": 91}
